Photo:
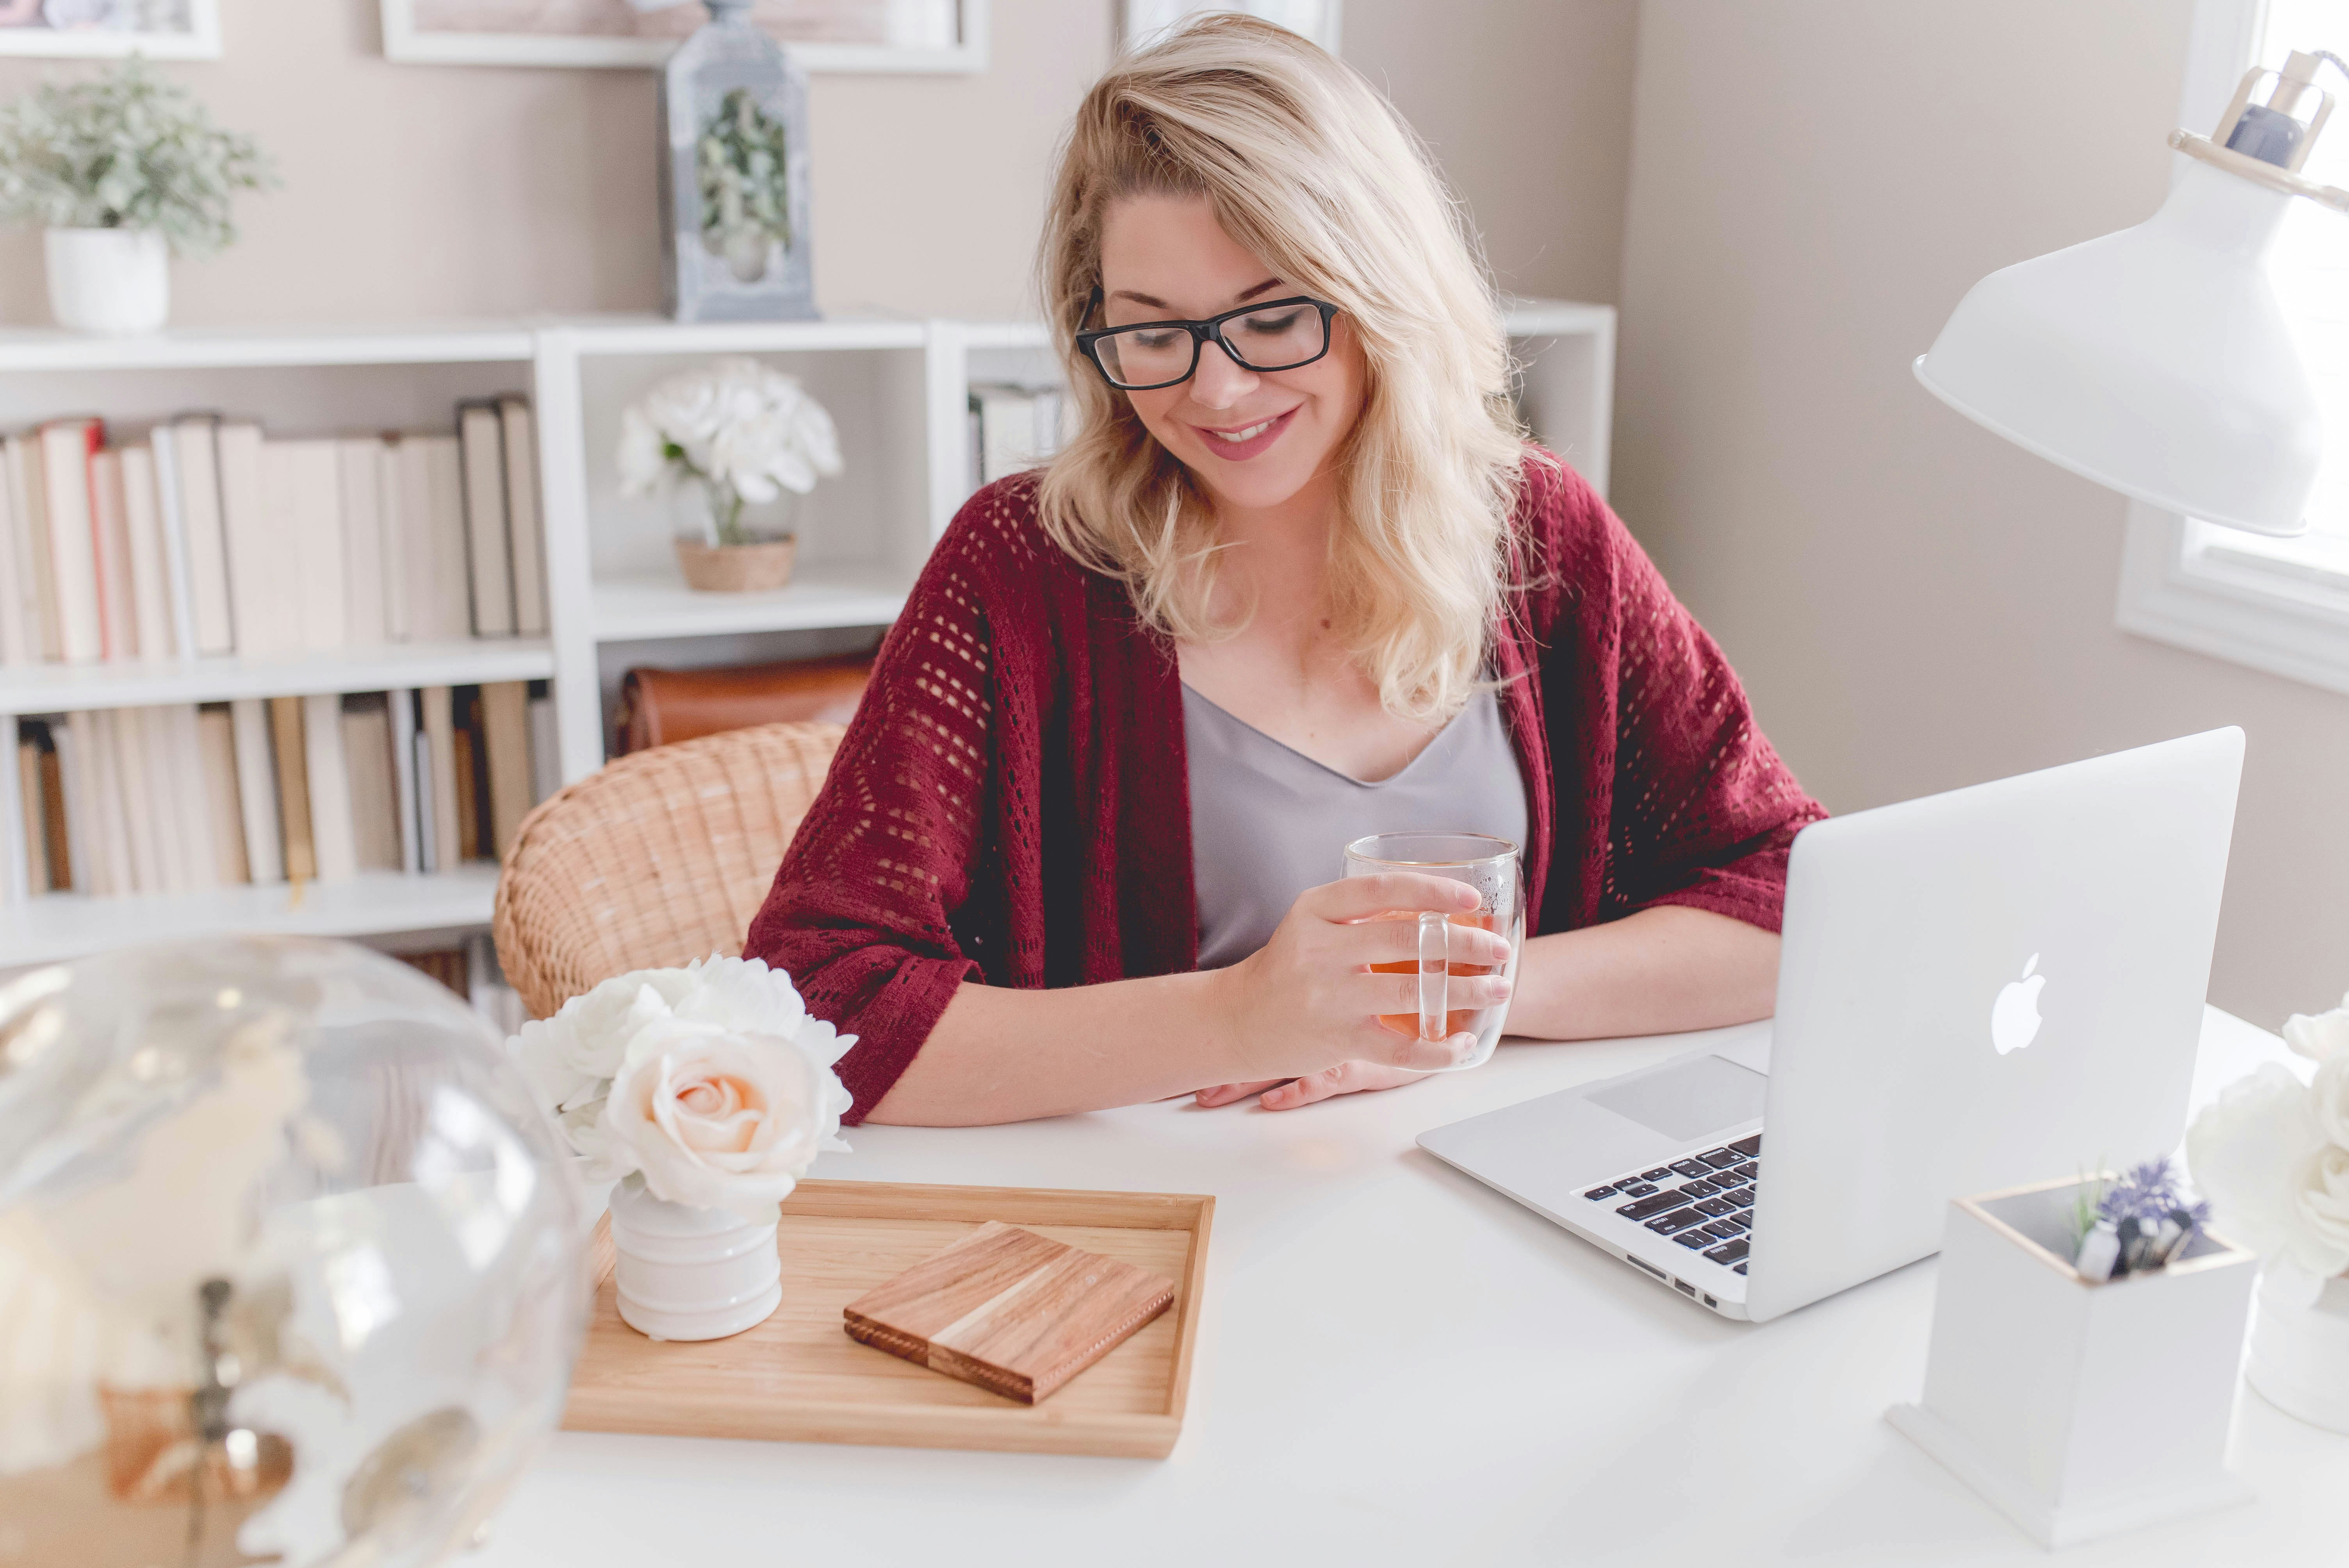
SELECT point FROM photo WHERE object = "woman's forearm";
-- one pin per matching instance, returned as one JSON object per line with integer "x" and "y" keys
{"x": 1657, "y": 972}
{"x": 1004, "y": 1055}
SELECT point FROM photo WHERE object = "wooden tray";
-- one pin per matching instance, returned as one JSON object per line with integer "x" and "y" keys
{"x": 799, "y": 1377}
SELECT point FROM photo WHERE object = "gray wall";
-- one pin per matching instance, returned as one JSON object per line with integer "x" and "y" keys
{"x": 415, "y": 192}
{"x": 1915, "y": 604}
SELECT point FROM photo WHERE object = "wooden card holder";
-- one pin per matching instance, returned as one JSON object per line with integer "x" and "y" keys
{"x": 797, "y": 1377}
{"x": 1016, "y": 1313}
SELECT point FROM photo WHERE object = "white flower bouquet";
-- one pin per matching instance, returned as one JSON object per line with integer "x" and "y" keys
{"x": 711, "y": 1083}
{"x": 2273, "y": 1153}
{"x": 746, "y": 432}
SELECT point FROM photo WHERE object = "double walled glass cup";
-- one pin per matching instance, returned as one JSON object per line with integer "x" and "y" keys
{"x": 1488, "y": 864}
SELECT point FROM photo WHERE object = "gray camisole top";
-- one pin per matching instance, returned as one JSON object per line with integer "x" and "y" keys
{"x": 1268, "y": 822}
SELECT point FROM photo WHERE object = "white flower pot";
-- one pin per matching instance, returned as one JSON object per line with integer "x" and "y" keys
{"x": 113, "y": 281}
{"x": 691, "y": 1273}
{"x": 2300, "y": 1351}
{"x": 2074, "y": 1407}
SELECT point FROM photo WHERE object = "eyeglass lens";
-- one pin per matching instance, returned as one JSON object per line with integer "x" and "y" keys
{"x": 1276, "y": 339}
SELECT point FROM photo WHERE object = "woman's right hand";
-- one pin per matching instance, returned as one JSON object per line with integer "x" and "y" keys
{"x": 1307, "y": 998}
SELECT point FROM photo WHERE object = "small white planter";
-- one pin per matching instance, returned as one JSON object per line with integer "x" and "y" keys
{"x": 691, "y": 1273}
{"x": 2079, "y": 1408}
{"x": 111, "y": 281}
{"x": 2300, "y": 1352}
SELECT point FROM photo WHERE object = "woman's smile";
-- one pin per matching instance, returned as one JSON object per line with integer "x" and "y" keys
{"x": 1237, "y": 443}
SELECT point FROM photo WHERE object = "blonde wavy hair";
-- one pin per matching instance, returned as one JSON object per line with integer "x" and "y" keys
{"x": 1309, "y": 167}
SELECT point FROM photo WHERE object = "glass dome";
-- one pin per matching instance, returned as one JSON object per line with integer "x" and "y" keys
{"x": 290, "y": 1265}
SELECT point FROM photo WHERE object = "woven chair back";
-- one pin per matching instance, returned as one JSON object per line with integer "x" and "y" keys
{"x": 660, "y": 857}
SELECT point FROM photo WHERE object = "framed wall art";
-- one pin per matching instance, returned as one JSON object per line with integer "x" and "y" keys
{"x": 107, "y": 29}
{"x": 871, "y": 36}
{"x": 1315, "y": 19}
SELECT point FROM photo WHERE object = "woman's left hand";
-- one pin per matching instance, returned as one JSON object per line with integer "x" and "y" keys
{"x": 1288, "y": 1094}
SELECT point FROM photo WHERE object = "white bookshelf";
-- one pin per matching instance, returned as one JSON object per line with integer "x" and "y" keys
{"x": 896, "y": 389}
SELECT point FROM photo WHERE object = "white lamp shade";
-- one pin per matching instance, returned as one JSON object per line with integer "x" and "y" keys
{"x": 2155, "y": 361}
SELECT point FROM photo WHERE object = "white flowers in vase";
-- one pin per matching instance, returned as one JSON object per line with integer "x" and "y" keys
{"x": 747, "y": 432}
{"x": 711, "y": 1083}
{"x": 2273, "y": 1153}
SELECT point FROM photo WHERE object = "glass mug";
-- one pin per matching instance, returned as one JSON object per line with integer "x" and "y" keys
{"x": 1485, "y": 863}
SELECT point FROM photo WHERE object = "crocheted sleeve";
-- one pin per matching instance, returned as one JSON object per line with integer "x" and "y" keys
{"x": 1701, "y": 811}
{"x": 869, "y": 909}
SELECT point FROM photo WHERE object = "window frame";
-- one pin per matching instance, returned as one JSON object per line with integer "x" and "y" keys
{"x": 2207, "y": 588}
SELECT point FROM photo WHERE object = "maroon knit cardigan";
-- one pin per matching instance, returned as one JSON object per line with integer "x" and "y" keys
{"x": 1012, "y": 806}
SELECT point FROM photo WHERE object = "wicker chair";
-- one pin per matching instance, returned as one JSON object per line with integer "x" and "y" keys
{"x": 660, "y": 857}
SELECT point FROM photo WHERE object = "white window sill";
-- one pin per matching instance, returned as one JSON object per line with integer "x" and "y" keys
{"x": 2282, "y": 609}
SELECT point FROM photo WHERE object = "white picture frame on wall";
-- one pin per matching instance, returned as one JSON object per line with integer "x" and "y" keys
{"x": 112, "y": 29}
{"x": 1143, "y": 20}
{"x": 916, "y": 36}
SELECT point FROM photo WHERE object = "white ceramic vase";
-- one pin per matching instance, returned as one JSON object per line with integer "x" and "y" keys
{"x": 111, "y": 281}
{"x": 2300, "y": 1351}
{"x": 691, "y": 1273}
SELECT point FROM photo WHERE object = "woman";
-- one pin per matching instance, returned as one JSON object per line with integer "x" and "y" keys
{"x": 1298, "y": 568}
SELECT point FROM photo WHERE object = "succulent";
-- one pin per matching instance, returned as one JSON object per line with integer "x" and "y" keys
{"x": 125, "y": 150}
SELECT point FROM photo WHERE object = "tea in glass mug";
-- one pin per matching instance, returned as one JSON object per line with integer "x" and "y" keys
{"x": 1488, "y": 864}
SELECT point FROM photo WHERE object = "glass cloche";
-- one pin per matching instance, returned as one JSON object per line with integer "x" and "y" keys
{"x": 290, "y": 1265}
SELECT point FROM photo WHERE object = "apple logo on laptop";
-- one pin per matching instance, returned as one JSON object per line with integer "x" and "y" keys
{"x": 2014, "y": 1017}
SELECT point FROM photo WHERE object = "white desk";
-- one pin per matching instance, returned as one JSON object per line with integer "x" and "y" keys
{"x": 1398, "y": 1364}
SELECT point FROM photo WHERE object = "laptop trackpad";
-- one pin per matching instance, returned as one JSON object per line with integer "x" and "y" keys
{"x": 1689, "y": 1099}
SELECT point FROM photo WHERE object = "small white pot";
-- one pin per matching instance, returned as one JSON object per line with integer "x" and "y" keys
{"x": 111, "y": 281}
{"x": 2079, "y": 1408}
{"x": 691, "y": 1273}
{"x": 2300, "y": 1352}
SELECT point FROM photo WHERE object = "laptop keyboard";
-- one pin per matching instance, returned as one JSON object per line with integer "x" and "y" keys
{"x": 1705, "y": 1202}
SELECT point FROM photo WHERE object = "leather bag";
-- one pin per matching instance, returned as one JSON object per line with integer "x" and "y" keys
{"x": 660, "y": 707}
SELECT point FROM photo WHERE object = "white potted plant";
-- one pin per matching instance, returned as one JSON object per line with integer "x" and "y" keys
{"x": 2082, "y": 1369}
{"x": 2273, "y": 1151}
{"x": 735, "y": 444}
{"x": 706, "y": 1092}
{"x": 122, "y": 170}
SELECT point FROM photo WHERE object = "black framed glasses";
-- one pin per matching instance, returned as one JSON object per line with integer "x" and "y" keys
{"x": 1279, "y": 334}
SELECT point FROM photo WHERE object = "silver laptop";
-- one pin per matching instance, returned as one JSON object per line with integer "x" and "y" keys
{"x": 1976, "y": 990}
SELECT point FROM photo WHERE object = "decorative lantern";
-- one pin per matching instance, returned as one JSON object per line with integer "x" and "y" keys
{"x": 734, "y": 175}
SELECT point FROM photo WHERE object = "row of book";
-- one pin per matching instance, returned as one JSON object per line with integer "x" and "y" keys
{"x": 1015, "y": 427}
{"x": 186, "y": 797}
{"x": 201, "y": 537}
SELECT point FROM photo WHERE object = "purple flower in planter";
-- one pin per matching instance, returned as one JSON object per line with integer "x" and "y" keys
{"x": 2149, "y": 1218}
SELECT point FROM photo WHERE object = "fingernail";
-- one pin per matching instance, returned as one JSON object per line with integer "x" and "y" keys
{"x": 1503, "y": 989}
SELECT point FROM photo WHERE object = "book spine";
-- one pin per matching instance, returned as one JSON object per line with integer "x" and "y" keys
{"x": 441, "y": 735}
{"x": 216, "y": 736}
{"x": 522, "y": 516}
{"x": 333, "y": 841}
{"x": 256, "y": 790}
{"x": 361, "y": 463}
{"x": 19, "y": 636}
{"x": 488, "y": 537}
{"x": 28, "y": 854}
{"x": 191, "y": 794}
{"x": 293, "y": 787}
{"x": 165, "y": 441}
{"x": 67, "y": 447}
{"x": 76, "y": 772}
{"x": 109, "y": 527}
{"x": 150, "y": 587}
{"x": 29, "y": 497}
{"x": 404, "y": 778}
{"x": 403, "y": 539}
{"x": 311, "y": 522}
{"x": 196, "y": 452}
{"x": 259, "y": 585}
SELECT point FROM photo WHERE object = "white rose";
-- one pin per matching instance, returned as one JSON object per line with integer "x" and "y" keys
{"x": 642, "y": 459}
{"x": 2320, "y": 1037}
{"x": 720, "y": 1120}
{"x": 570, "y": 1056}
{"x": 2328, "y": 1095}
{"x": 2255, "y": 1152}
{"x": 2320, "y": 1193}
